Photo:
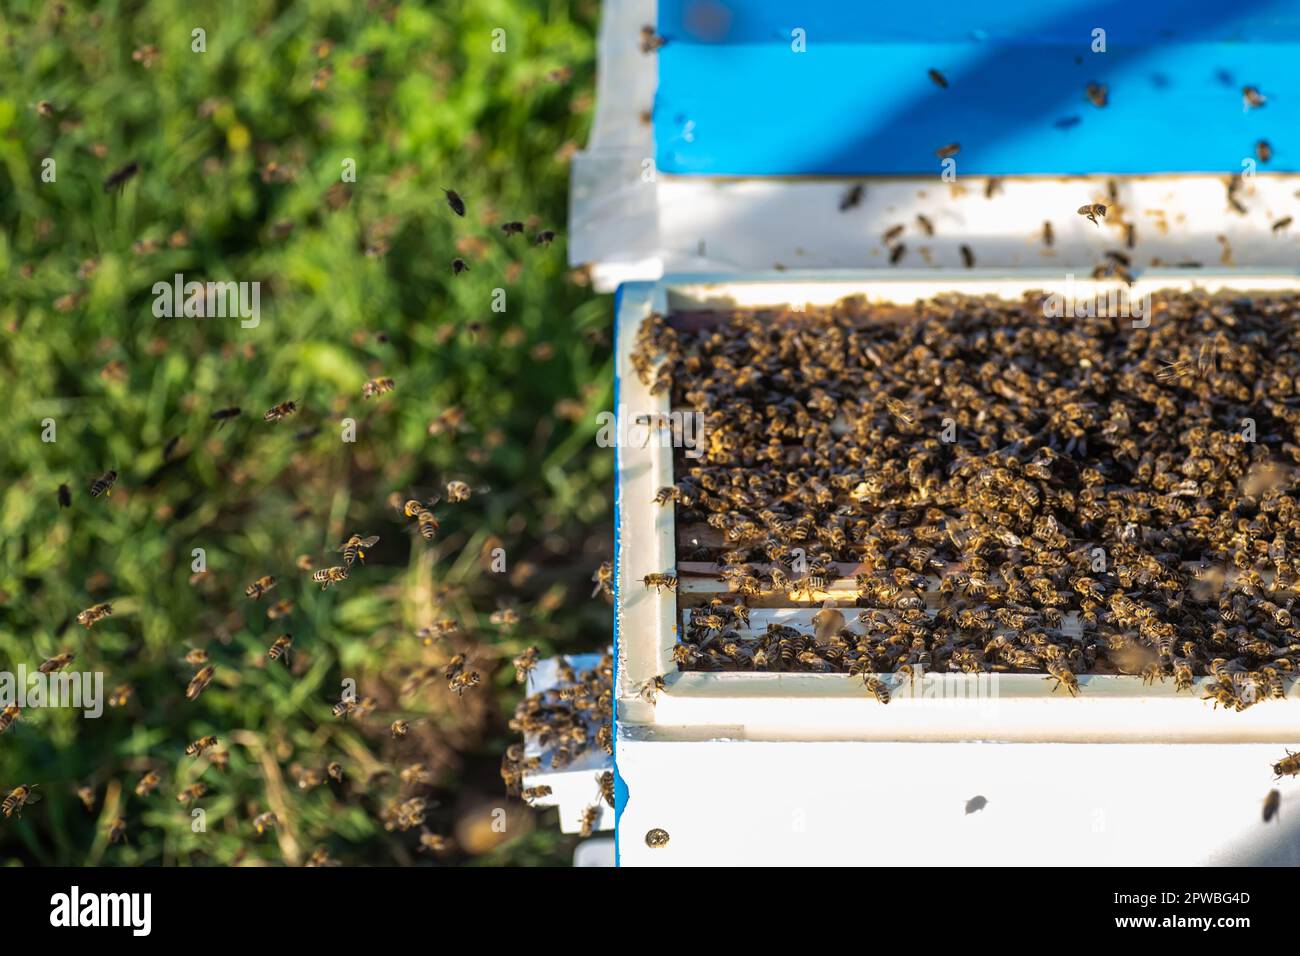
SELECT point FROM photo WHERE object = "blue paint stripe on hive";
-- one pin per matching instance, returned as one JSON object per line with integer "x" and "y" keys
{"x": 620, "y": 787}
{"x": 734, "y": 99}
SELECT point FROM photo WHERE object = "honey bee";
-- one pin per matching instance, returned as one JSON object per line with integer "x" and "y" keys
{"x": 335, "y": 771}
{"x": 201, "y": 680}
{"x": 103, "y": 485}
{"x": 605, "y": 781}
{"x": 459, "y": 265}
{"x": 279, "y": 412}
{"x": 399, "y": 729}
{"x": 196, "y": 657}
{"x": 56, "y": 663}
{"x": 93, "y": 615}
{"x": 1282, "y": 224}
{"x": 119, "y": 177}
{"x": 536, "y": 793}
{"x": 263, "y": 822}
{"x": 280, "y": 609}
{"x": 952, "y": 149}
{"x": 1252, "y": 97}
{"x": 148, "y": 783}
{"x": 65, "y": 496}
{"x": 603, "y": 579}
{"x": 194, "y": 791}
{"x": 8, "y": 716}
{"x": 432, "y": 842}
{"x": 260, "y": 587}
{"x": 355, "y": 547}
{"x": 1263, "y": 151}
{"x": 203, "y": 743}
{"x": 345, "y": 707}
{"x": 525, "y": 663}
{"x": 650, "y": 688}
{"x": 87, "y": 797}
{"x": 18, "y": 797}
{"x": 1097, "y": 94}
{"x": 939, "y": 79}
{"x": 967, "y": 257}
{"x": 458, "y": 491}
{"x": 659, "y": 581}
{"x": 1092, "y": 211}
{"x": 304, "y": 562}
{"x": 425, "y": 521}
{"x": 513, "y": 228}
{"x": 223, "y": 415}
{"x": 1271, "y": 804}
{"x": 454, "y": 201}
{"x": 1063, "y": 676}
{"x": 544, "y": 238}
{"x": 590, "y": 815}
{"x": 504, "y": 617}
{"x": 1048, "y": 236}
{"x": 377, "y": 386}
{"x": 280, "y": 648}
{"x": 1288, "y": 766}
{"x": 327, "y": 576}
{"x": 120, "y": 695}
{"x": 321, "y": 857}
{"x": 116, "y": 830}
{"x": 852, "y": 198}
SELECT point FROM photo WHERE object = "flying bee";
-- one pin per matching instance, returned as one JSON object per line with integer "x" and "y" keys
{"x": 504, "y": 617}
{"x": 87, "y": 797}
{"x": 148, "y": 783}
{"x": 327, "y": 576}
{"x": 1098, "y": 95}
{"x": 65, "y": 496}
{"x": 260, "y": 587}
{"x": 458, "y": 491}
{"x": 18, "y": 797}
{"x": 8, "y": 716}
{"x": 280, "y": 649}
{"x": 455, "y": 202}
{"x": 513, "y": 228}
{"x": 279, "y": 412}
{"x": 355, "y": 548}
{"x": 604, "y": 579}
{"x": 377, "y": 386}
{"x": 263, "y": 822}
{"x": 1263, "y": 151}
{"x": 967, "y": 256}
{"x": 1092, "y": 211}
{"x": 660, "y": 581}
{"x": 203, "y": 743}
{"x": 851, "y": 198}
{"x": 952, "y": 149}
{"x": 1252, "y": 97}
{"x": 118, "y": 178}
{"x": 1271, "y": 804}
{"x": 1282, "y": 223}
{"x": 304, "y": 562}
{"x": 896, "y": 254}
{"x": 194, "y": 791}
{"x": 1049, "y": 237}
{"x": 345, "y": 707}
{"x": 223, "y": 415}
{"x": 280, "y": 609}
{"x": 459, "y": 265}
{"x": 399, "y": 729}
{"x": 335, "y": 771}
{"x": 116, "y": 830}
{"x": 939, "y": 79}
{"x": 425, "y": 521}
{"x": 103, "y": 485}
{"x": 196, "y": 656}
{"x": 463, "y": 681}
{"x": 1288, "y": 766}
{"x": 56, "y": 663}
{"x": 524, "y": 664}
{"x": 120, "y": 695}
{"x": 432, "y": 842}
{"x": 201, "y": 680}
{"x": 93, "y": 615}
{"x": 544, "y": 238}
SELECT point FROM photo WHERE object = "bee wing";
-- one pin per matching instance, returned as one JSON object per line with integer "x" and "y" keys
{"x": 369, "y": 542}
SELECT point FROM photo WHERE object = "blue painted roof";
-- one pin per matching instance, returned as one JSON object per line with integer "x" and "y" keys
{"x": 735, "y": 99}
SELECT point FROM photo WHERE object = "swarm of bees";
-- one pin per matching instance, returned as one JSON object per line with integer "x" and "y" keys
{"x": 1000, "y": 491}
{"x": 564, "y": 720}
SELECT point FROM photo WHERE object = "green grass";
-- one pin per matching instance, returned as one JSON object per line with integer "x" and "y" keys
{"x": 418, "y": 99}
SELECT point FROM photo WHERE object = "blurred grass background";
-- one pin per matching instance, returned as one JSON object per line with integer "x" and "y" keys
{"x": 241, "y": 150}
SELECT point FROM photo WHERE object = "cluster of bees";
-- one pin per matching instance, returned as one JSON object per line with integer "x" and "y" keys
{"x": 565, "y": 720}
{"x": 999, "y": 491}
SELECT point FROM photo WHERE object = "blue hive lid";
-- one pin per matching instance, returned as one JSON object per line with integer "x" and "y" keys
{"x": 735, "y": 98}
